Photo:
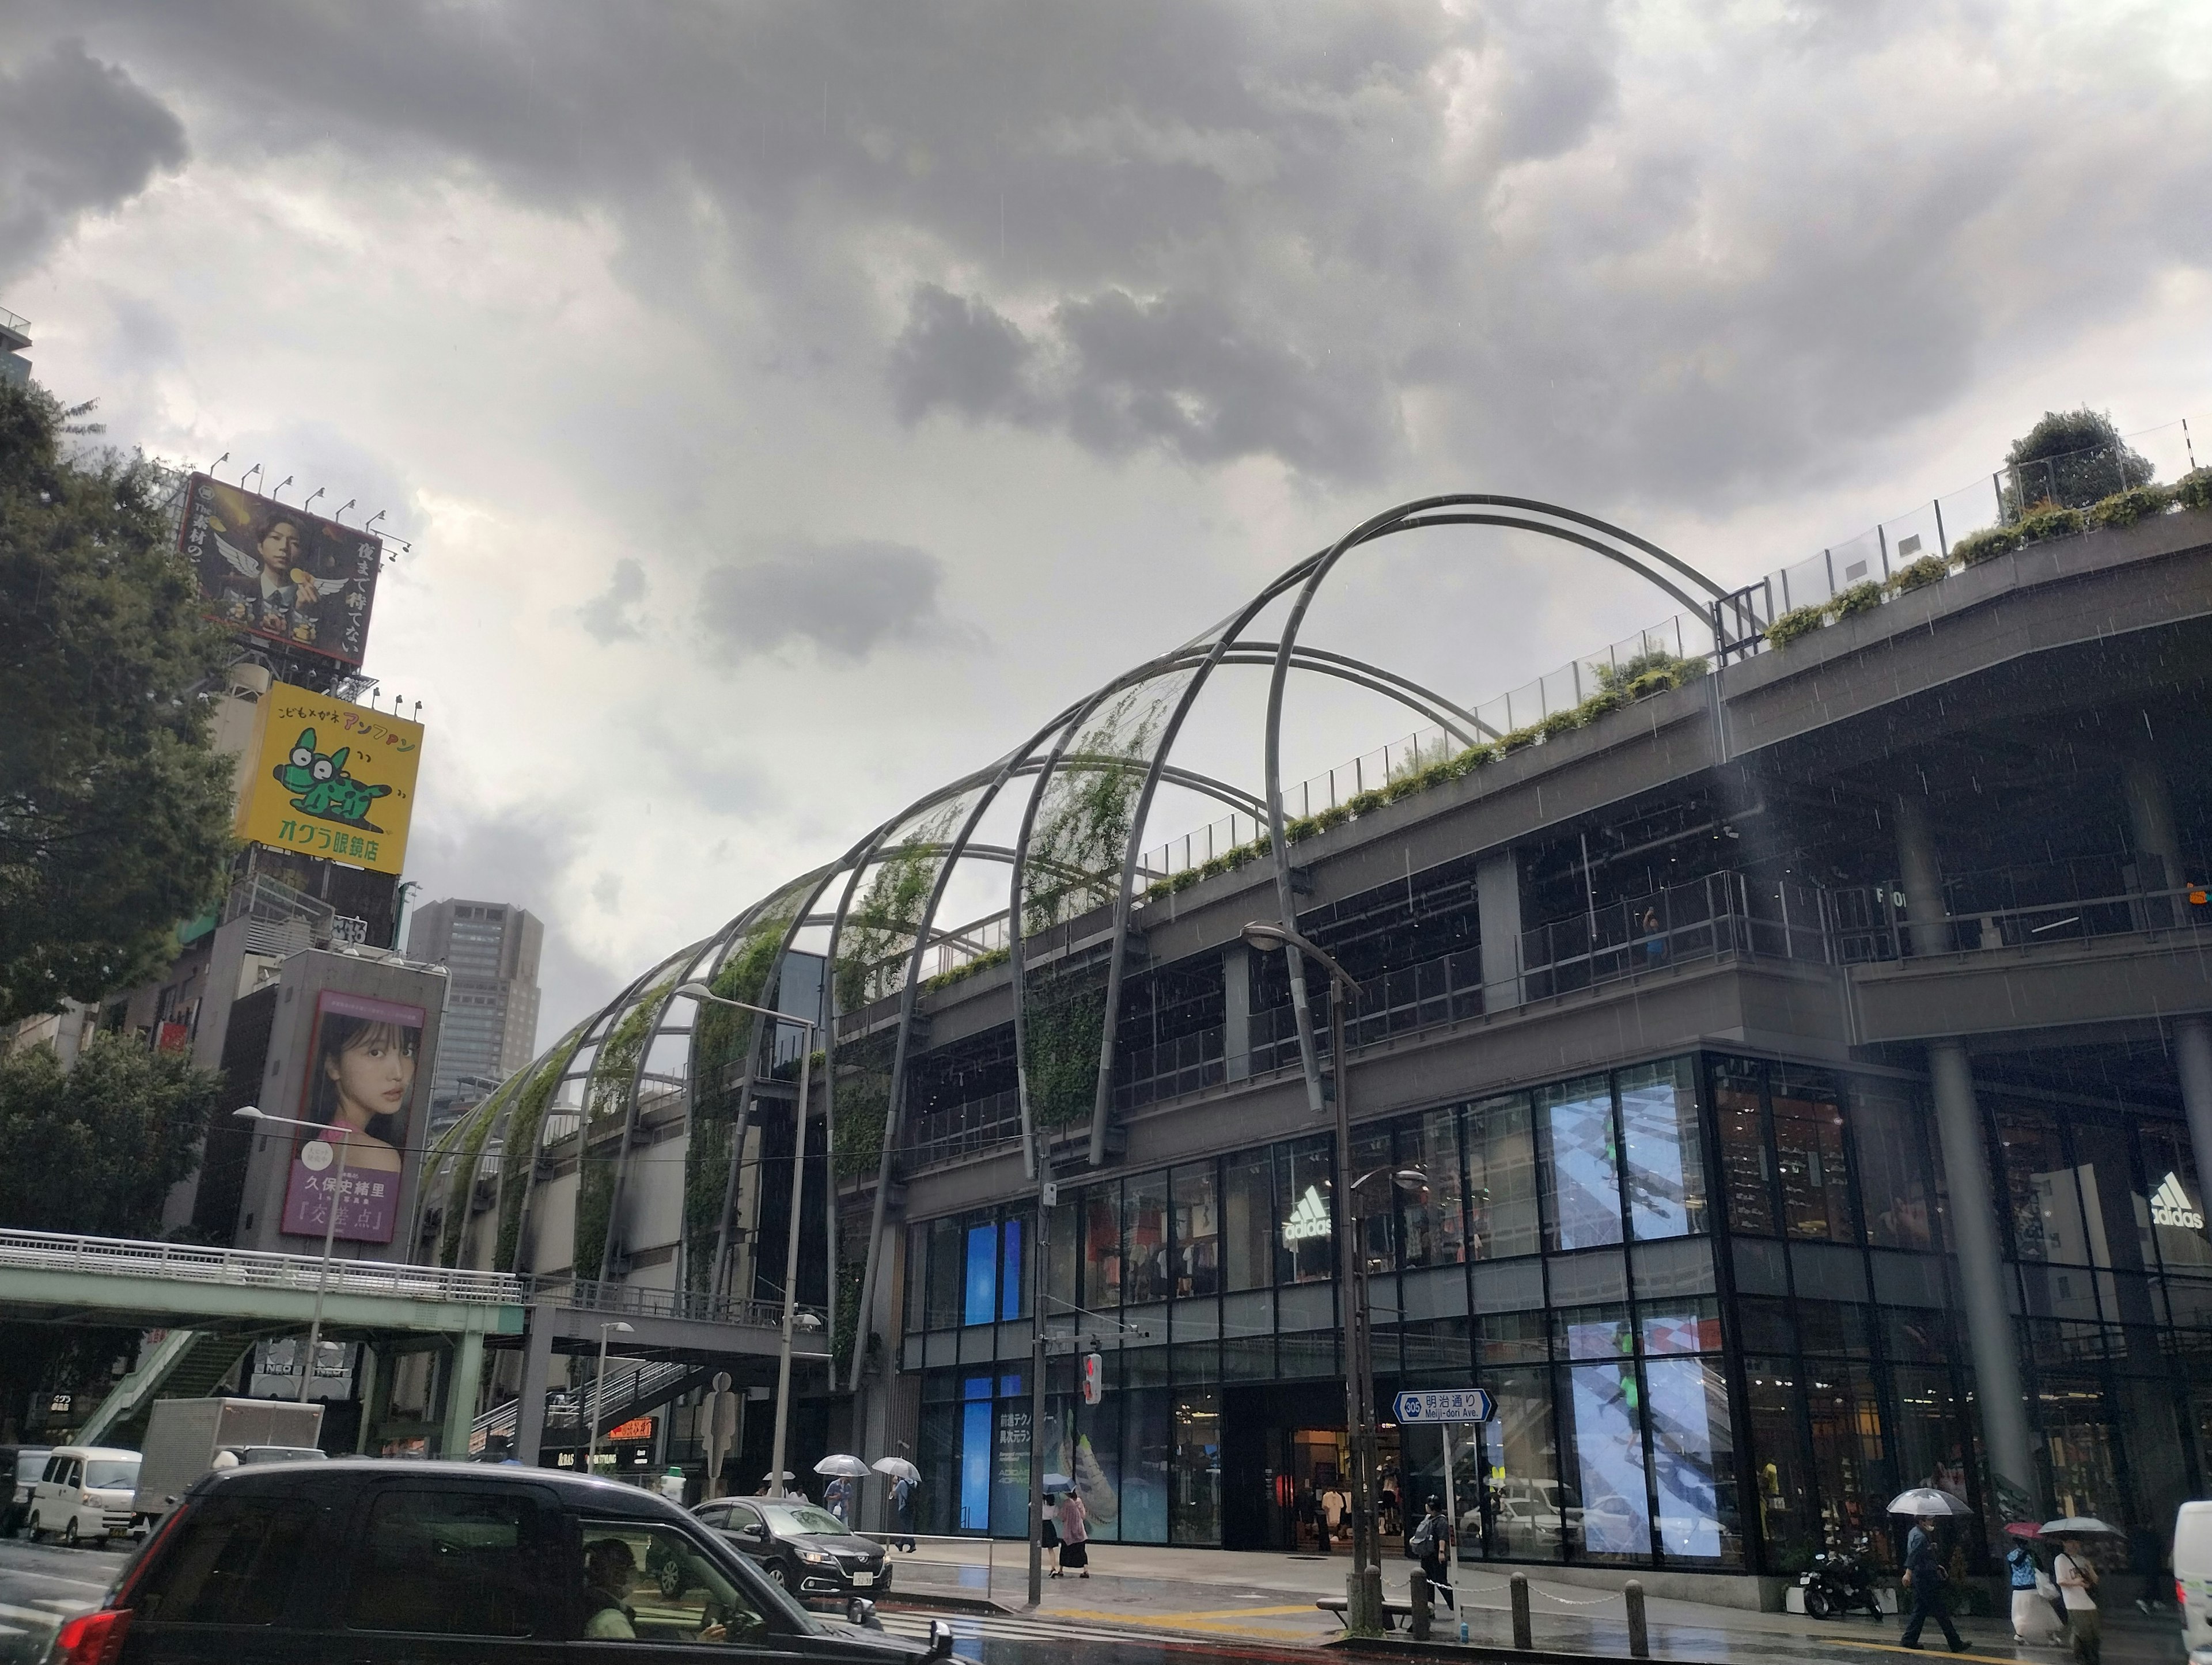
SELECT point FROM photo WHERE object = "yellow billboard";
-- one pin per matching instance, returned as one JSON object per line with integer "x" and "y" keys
{"x": 332, "y": 778}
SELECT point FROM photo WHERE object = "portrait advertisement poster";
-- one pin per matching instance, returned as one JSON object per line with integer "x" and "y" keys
{"x": 362, "y": 1068}
{"x": 332, "y": 778}
{"x": 272, "y": 571}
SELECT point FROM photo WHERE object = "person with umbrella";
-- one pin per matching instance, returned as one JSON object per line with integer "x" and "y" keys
{"x": 2077, "y": 1587}
{"x": 1924, "y": 1562}
{"x": 904, "y": 1477}
{"x": 838, "y": 1496}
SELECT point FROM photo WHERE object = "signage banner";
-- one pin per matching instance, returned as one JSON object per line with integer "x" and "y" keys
{"x": 361, "y": 1090}
{"x": 1447, "y": 1405}
{"x": 332, "y": 778}
{"x": 268, "y": 570}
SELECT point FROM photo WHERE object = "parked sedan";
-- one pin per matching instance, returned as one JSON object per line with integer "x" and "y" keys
{"x": 809, "y": 1550}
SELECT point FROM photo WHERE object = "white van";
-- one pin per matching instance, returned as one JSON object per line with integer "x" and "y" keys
{"x": 2192, "y": 1578}
{"x": 84, "y": 1495}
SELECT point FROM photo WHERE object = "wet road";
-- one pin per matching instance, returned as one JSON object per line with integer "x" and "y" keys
{"x": 41, "y": 1586}
{"x": 1020, "y": 1640}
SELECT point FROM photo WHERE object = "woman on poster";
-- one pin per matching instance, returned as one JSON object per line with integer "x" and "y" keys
{"x": 364, "y": 1073}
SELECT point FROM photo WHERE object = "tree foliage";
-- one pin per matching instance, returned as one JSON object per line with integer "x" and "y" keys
{"x": 115, "y": 813}
{"x": 2069, "y": 460}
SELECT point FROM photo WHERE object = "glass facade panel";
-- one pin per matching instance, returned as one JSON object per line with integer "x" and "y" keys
{"x": 1524, "y": 1518}
{"x": 1501, "y": 1168}
{"x": 1145, "y": 1272}
{"x": 1097, "y": 1459}
{"x": 1013, "y": 1274}
{"x": 1102, "y": 1246}
{"x": 1898, "y": 1169}
{"x": 1853, "y": 1474}
{"x": 1248, "y": 1220}
{"x": 1197, "y": 1225}
{"x": 1435, "y": 1217}
{"x": 1581, "y": 1158}
{"x": 1144, "y": 1447}
{"x": 2176, "y": 1205}
{"x": 917, "y": 1278}
{"x": 1194, "y": 1470}
{"x": 2042, "y": 1197}
{"x": 1693, "y": 1460}
{"x": 979, "y": 1291}
{"x": 1739, "y": 1114}
{"x": 1375, "y": 1201}
{"x": 946, "y": 1274}
{"x": 1605, "y": 1431}
{"x": 1062, "y": 1260}
{"x": 1808, "y": 1144}
{"x": 1782, "y": 1473}
{"x": 1666, "y": 1158}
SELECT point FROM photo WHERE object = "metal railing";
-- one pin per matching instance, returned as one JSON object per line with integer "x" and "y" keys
{"x": 15, "y": 323}
{"x": 964, "y": 1129}
{"x": 565, "y": 1408}
{"x": 1724, "y": 914}
{"x": 250, "y": 1268}
{"x": 1871, "y": 924}
{"x": 592, "y": 1295}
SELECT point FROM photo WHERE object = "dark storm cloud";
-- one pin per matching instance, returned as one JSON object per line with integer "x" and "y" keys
{"x": 845, "y": 599}
{"x": 1683, "y": 253}
{"x": 77, "y": 136}
{"x": 611, "y": 616}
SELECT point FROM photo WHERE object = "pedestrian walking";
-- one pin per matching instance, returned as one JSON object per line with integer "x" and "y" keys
{"x": 1074, "y": 1520}
{"x": 903, "y": 1491}
{"x": 2077, "y": 1587}
{"x": 1430, "y": 1543}
{"x": 837, "y": 1498}
{"x": 2033, "y": 1623}
{"x": 1923, "y": 1571}
{"x": 1048, "y": 1529}
{"x": 1335, "y": 1506}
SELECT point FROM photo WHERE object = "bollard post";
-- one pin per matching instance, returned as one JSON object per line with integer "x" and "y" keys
{"x": 1639, "y": 1639}
{"x": 1423, "y": 1602}
{"x": 1523, "y": 1637}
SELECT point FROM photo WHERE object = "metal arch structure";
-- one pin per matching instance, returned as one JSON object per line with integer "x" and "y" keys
{"x": 1050, "y": 753}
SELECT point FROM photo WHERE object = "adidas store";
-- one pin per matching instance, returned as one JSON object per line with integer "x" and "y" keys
{"x": 1710, "y": 1294}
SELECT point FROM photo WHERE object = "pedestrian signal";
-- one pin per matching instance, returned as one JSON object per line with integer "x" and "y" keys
{"x": 1094, "y": 1377}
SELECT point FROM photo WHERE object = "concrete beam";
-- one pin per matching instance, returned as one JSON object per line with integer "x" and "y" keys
{"x": 2104, "y": 979}
{"x": 104, "y": 1297}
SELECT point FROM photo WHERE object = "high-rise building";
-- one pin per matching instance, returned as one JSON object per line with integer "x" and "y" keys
{"x": 489, "y": 950}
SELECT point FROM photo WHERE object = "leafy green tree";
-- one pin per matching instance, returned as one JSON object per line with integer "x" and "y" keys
{"x": 91, "y": 1149}
{"x": 114, "y": 812}
{"x": 2071, "y": 458}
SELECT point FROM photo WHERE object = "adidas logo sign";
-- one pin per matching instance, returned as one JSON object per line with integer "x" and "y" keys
{"x": 1309, "y": 1218}
{"x": 2169, "y": 1206}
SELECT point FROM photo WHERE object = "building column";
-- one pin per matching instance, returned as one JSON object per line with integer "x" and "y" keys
{"x": 537, "y": 1373}
{"x": 1498, "y": 910}
{"x": 462, "y": 1384}
{"x": 2192, "y": 1055}
{"x": 2152, "y": 831}
{"x": 1991, "y": 1333}
{"x": 1236, "y": 1010}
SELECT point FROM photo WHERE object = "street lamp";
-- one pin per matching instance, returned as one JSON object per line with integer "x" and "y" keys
{"x": 613, "y": 1326}
{"x": 317, "y": 1155}
{"x": 705, "y": 996}
{"x": 1364, "y": 1585}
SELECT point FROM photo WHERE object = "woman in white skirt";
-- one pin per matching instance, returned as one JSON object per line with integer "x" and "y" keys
{"x": 2034, "y": 1623}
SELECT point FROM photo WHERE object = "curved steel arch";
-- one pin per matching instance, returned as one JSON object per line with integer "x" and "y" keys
{"x": 1407, "y": 517}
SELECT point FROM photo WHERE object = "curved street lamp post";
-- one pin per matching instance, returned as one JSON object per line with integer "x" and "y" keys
{"x": 704, "y": 995}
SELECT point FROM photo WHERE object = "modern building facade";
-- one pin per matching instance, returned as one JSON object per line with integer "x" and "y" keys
{"x": 491, "y": 951}
{"x": 1780, "y": 1074}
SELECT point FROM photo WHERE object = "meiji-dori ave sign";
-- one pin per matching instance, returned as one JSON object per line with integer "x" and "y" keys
{"x": 1446, "y": 1405}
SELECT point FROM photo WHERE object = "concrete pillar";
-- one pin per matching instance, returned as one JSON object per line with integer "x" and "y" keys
{"x": 461, "y": 1385}
{"x": 1498, "y": 908}
{"x": 2192, "y": 1055}
{"x": 1236, "y": 1009}
{"x": 365, "y": 1387}
{"x": 1990, "y": 1335}
{"x": 1929, "y": 928}
{"x": 536, "y": 1372}
{"x": 2150, "y": 821}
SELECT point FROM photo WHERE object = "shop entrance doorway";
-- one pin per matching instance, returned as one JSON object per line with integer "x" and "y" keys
{"x": 1283, "y": 1448}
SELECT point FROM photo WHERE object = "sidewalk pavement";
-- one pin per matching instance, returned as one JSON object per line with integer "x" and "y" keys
{"x": 1268, "y": 1597}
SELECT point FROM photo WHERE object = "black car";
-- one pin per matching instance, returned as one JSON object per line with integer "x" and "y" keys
{"x": 20, "y": 1468}
{"x": 376, "y": 1563}
{"x": 806, "y": 1549}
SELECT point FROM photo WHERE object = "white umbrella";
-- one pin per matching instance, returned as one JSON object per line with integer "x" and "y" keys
{"x": 1927, "y": 1500}
{"x": 2079, "y": 1526}
{"x": 899, "y": 1469}
{"x": 850, "y": 1468}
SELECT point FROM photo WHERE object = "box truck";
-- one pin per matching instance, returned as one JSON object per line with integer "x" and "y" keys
{"x": 185, "y": 1437}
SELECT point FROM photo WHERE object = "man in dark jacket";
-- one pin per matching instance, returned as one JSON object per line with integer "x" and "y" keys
{"x": 1924, "y": 1565}
{"x": 1430, "y": 1543}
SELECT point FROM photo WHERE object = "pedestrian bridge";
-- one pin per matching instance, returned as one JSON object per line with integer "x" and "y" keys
{"x": 214, "y": 1302}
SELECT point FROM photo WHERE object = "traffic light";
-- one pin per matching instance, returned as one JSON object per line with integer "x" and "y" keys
{"x": 1094, "y": 1377}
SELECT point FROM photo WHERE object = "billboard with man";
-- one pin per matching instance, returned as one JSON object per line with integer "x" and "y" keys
{"x": 276, "y": 573}
{"x": 363, "y": 1068}
{"x": 332, "y": 778}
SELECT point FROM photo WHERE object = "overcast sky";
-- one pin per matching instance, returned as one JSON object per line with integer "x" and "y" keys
{"x": 790, "y": 405}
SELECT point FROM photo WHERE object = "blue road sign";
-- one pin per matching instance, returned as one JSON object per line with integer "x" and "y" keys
{"x": 1447, "y": 1405}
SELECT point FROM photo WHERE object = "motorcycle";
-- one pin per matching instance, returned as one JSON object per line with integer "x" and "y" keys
{"x": 1838, "y": 1583}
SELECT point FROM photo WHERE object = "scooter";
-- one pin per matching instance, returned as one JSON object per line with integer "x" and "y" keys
{"x": 1838, "y": 1583}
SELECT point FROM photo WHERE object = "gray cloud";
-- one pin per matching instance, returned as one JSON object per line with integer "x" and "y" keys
{"x": 77, "y": 136}
{"x": 958, "y": 354}
{"x": 611, "y": 616}
{"x": 843, "y": 600}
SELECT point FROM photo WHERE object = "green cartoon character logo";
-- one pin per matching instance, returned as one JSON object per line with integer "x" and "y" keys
{"x": 326, "y": 790}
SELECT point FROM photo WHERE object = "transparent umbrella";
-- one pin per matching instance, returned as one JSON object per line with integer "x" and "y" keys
{"x": 850, "y": 1468}
{"x": 1927, "y": 1500}
{"x": 2079, "y": 1526}
{"x": 899, "y": 1469}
